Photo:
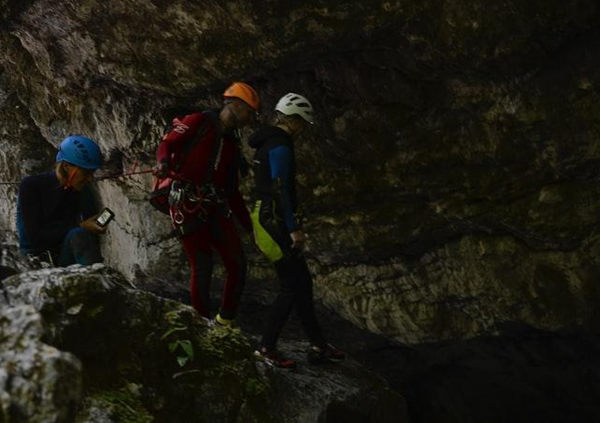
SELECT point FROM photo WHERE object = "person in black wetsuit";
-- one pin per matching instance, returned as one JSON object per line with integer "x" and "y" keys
{"x": 278, "y": 234}
{"x": 56, "y": 211}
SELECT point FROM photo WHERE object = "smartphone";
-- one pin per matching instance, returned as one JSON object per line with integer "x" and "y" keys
{"x": 105, "y": 217}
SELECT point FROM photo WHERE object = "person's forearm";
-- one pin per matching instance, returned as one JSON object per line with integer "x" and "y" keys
{"x": 240, "y": 211}
{"x": 282, "y": 198}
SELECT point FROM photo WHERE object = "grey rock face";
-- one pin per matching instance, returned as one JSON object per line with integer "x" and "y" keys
{"x": 442, "y": 130}
{"x": 465, "y": 289}
{"x": 17, "y": 158}
{"x": 332, "y": 391}
{"x": 38, "y": 383}
{"x": 130, "y": 343}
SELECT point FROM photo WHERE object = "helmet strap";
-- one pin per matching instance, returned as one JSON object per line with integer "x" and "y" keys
{"x": 297, "y": 131}
{"x": 235, "y": 114}
{"x": 70, "y": 177}
{"x": 289, "y": 129}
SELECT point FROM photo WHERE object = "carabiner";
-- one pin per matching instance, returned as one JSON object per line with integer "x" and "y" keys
{"x": 178, "y": 218}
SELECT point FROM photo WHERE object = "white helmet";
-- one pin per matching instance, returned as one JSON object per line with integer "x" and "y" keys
{"x": 295, "y": 104}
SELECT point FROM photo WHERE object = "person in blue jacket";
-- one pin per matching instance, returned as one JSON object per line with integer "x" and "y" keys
{"x": 56, "y": 211}
{"x": 278, "y": 233}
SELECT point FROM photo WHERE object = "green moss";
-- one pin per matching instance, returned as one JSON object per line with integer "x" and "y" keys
{"x": 174, "y": 318}
{"x": 215, "y": 362}
{"x": 95, "y": 311}
{"x": 123, "y": 404}
{"x": 256, "y": 386}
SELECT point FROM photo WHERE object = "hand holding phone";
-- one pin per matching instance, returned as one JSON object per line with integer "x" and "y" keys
{"x": 104, "y": 217}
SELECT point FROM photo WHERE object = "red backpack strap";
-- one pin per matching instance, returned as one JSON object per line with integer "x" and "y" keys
{"x": 192, "y": 142}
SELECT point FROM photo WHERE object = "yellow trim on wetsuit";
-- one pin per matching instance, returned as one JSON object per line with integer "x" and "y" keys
{"x": 264, "y": 241}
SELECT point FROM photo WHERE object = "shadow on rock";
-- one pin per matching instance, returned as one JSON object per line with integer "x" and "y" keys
{"x": 145, "y": 358}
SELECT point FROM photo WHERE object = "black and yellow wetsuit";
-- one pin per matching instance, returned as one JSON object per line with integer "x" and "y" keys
{"x": 275, "y": 203}
{"x": 273, "y": 219}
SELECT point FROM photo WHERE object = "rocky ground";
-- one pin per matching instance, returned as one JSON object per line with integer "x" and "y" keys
{"x": 523, "y": 375}
{"x": 83, "y": 344}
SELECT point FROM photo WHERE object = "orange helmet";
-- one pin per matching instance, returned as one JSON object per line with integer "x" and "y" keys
{"x": 244, "y": 92}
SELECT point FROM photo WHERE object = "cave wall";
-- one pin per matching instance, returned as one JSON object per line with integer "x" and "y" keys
{"x": 450, "y": 183}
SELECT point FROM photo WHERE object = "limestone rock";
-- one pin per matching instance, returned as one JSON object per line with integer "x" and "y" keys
{"x": 147, "y": 358}
{"x": 38, "y": 383}
{"x": 465, "y": 290}
{"x": 332, "y": 391}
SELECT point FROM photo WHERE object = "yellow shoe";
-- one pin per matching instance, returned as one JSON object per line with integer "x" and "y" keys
{"x": 228, "y": 323}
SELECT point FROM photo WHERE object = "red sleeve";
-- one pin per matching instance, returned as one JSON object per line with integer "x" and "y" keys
{"x": 236, "y": 202}
{"x": 181, "y": 131}
{"x": 239, "y": 209}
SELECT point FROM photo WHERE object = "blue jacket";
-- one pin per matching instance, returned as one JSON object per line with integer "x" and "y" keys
{"x": 275, "y": 172}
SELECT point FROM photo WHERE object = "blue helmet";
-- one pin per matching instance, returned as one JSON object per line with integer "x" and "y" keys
{"x": 80, "y": 151}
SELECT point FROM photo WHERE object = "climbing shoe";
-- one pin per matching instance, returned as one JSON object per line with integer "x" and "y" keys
{"x": 325, "y": 354}
{"x": 228, "y": 323}
{"x": 271, "y": 358}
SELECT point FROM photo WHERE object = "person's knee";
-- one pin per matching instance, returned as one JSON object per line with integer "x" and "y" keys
{"x": 288, "y": 293}
{"x": 83, "y": 246}
{"x": 242, "y": 263}
{"x": 79, "y": 237}
{"x": 201, "y": 264}
{"x": 204, "y": 259}
{"x": 235, "y": 264}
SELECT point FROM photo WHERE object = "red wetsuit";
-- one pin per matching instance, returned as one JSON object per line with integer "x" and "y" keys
{"x": 218, "y": 232}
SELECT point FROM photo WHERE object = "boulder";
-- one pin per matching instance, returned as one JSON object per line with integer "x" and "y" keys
{"x": 144, "y": 357}
{"x": 38, "y": 382}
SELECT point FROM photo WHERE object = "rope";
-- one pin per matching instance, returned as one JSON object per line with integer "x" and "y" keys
{"x": 102, "y": 178}
{"x": 123, "y": 175}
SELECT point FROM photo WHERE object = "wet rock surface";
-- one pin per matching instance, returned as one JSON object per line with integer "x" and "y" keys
{"x": 38, "y": 382}
{"x": 521, "y": 375}
{"x": 133, "y": 356}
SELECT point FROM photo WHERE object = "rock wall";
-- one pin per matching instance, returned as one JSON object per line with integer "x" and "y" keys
{"x": 38, "y": 382}
{"x": 450, "y": 183}
{"x": 135, "y": 357}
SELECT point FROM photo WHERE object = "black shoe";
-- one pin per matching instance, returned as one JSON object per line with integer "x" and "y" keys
{"x": 325, "y": 354}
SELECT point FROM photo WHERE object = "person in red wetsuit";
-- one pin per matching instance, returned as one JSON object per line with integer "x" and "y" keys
{"x": 203, "y": 150}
